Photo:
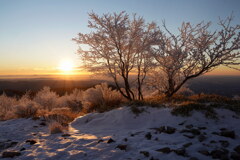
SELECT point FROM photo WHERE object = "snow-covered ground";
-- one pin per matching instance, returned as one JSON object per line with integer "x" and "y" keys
{"x": 121, "y": 135}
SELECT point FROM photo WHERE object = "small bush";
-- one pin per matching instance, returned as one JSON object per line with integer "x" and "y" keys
{"x": 61, "y": 115}
{"x": 26, "y": 111}
{"x": 204, "y": 98}
{"x": 101, "y": 98}
{"x": 56, "y": 127}
{"x": 46, "y": 98}
{"x": 185, "y": 109}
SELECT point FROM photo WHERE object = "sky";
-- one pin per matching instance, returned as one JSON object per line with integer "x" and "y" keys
{"x": 36, "y": 35}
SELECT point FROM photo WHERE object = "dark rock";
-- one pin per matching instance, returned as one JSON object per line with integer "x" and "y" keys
{"x": 235, "y": 156}
{"x": 132, "y": 135}
{"x": 160, "y": 129}
{"x": 180, "y": 151}
{"x": 110, "y": 140}
{"x": 31, "y": 141}
{"x": 170, "y": 130}
{"x": 66, "y": 135}
{"x": 212, "y": 141}
{"x": 35, "y": 126}
{"x": 193, "y": 131}
{"x": 145, "y": 153}
{"x": 193, "y": 158}
{"x": 189, "y": 126}
{"x": 202, "y": 128}
{"x": 10, "y": 154}
{"x": 204, "y": 152}
{"x": 125, "y": 139}
{"x": 43, "y": 124}
{"x": 164, "y": 150}
{"x": 167, "y": 129}
{"x": 229, "y": 134}
{"x": 122, "y": 147}
{"x": 201, "y": 138}
{"x": 7, "y": 144}
{"x": 182, "y": 123}
{"x": 148, "y": 136}
{"x": 224, "y": 143}
{"x": 223, "y": 129}
{"x": 100, "y": 140}
{"x": 187, "y": 145}
{"x": 219, "y": 154}
{"x": 22, "y": 149}
{"x": 156, "y": 139}
{"x": 35, "y": 118}
{"x": 215, "y": 133}
{"x": 189, "y": 136}
{"x": 237, "y": 149}
{"x": 152, "y": 158}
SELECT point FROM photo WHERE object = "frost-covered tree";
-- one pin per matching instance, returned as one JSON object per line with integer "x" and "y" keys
{"x": 119, "y": 46}
{"x": 195, "y": 51}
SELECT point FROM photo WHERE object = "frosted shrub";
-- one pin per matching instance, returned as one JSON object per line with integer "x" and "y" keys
{"x": 101, "y": 98}
{"x": 26, "y": 111}
{"x": 61, "y": 115}
{"x": 47, "y": 98}
{"x": 6, "y": 106}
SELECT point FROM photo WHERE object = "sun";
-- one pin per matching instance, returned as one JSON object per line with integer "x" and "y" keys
{"x": 66, "y": 66}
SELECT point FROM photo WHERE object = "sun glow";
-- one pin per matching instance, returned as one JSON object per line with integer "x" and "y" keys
{"x": 66, "y": 66}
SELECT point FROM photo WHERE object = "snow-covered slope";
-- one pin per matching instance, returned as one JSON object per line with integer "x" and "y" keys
{"x": 119, "y": 134}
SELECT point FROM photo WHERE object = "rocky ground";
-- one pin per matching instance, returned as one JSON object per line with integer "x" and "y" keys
{"x": 120, "y": 134}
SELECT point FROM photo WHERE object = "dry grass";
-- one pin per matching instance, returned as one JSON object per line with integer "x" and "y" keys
{"x": 185, "y": 109}
{"x": 56, "y": 127}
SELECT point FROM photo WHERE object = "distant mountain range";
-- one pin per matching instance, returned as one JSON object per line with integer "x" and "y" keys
{"x": 222, "y": 85}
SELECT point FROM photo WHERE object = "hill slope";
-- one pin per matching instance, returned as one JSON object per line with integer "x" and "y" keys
{"x": 120, "y": 134}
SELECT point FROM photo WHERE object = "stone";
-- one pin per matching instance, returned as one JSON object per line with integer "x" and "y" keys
{"x": 193, "y": 158}
{"x": 189, "y": 136}
{"x": 193, "y": 131}
{"x": 235, "y": 156}
{"x": 189, "y": 126}
{"x": 180, "y": 151}
{"x": 201, "y": 138}
{"x": 43, "y": 124}
{"x": 145, "y": 153}
{"x": 224, "y": 143}
{"x": 122, "y": 147}
{"x": 66, "y": 135}
{"x": 110, "y": 140}
{"x": 170, "y": 130}
{"x": 164, "y": 150}
{"x": 204, "y": 152}
{"x": 237, "y": 149}
{"x": 182, "y": 123}
{"x": 187, "y": 145}
{"x": 202, "y": 128}
{"x": 7, "y": 144}
{"x": 219, "y": 154}
{"x": 100, "y": 140}
{"x": 22, "y": 149}
{"x": 31, "y": 141}
{"x": 10, "y": 154}
{"x": 148, "y": 136}
{"x": 152, "y": 158}
{"x": 212, "y": 141}
{"x": 125, "y": 139}
{"x": 215, "y": 133}
{"x": 229, "y": 134}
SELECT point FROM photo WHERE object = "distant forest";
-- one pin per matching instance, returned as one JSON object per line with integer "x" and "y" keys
{"x": 222, "y": 85}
